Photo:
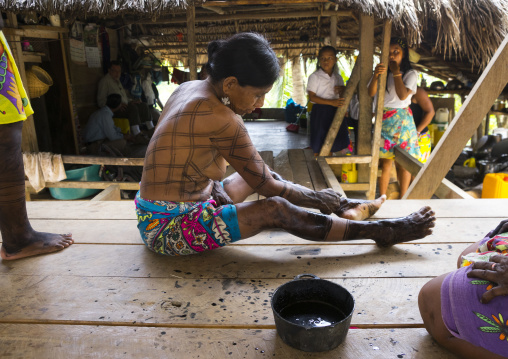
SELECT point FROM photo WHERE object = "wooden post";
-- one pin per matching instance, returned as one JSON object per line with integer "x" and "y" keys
{"x": 364, "y": 140}
{"x": 69, "y": 93}
{"x": 333, "y": 30}
{"x": 341, "y": 111}
{"x": 488, "y": 87}
{"x": 191, "y": 41}
{"x": 28, "y": 136}
{"x": 381, "y": 86}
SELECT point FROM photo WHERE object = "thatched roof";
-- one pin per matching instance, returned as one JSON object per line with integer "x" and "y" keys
{"x": 100, "y": 8}
{"x": 465, "y": 33}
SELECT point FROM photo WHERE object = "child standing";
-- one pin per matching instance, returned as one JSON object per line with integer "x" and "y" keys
{"x": 398, "y": 127}
{"x": 325, "y": 88}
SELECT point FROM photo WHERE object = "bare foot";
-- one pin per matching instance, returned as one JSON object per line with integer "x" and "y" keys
{"x": 415, "y": 226}
{"x": 39, "y": 243}
{"x": 358, "y": 210}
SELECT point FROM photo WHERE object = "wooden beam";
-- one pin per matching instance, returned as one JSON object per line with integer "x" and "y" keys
{"x": 348, "y": 159}
{"x": 250, "y": 16}
{"x": 110, "y": 193}
{"x": 471, "y": 114}
{"x": 446, "y": 189}
{"x": 69, "y": 92}
{"x": 364, "y": 140}
{"x": 329, "y": 176}
{"x": 96, "y": 185}
{"x": 191, "y": 42}
{"x": 333, "y": 30}
{"x": 97, "y": 160}
{"x": 376, "y": 140}
{"x": 341, "y": 111}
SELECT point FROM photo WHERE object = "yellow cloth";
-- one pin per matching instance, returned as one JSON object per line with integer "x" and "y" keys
{"x": 14, "y": 103}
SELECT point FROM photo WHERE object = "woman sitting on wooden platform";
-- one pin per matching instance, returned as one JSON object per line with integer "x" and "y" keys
{"x": 182, "y": 207}
{"x": 466, "y": 311}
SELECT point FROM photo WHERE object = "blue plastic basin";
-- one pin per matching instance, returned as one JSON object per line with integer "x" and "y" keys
{"x": 86, "y": 174}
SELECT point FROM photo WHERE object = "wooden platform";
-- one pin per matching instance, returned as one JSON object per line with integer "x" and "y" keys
{"x": 108, "y": 296}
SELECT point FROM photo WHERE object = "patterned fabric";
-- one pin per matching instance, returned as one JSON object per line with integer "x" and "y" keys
{"x": 483, "y": 325}
{"x": 181, "y": 228}
{"x": 14, "y": 104}
{"x": 398, "y": 129}
{"x": 425, "y": 146}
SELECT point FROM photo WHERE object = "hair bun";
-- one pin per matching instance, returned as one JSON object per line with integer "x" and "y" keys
{"x": 213, "y": 46}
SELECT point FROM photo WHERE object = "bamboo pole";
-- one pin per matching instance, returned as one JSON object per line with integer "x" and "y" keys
{"x": 191, "y": 41}
{"x": 381, "y": 86}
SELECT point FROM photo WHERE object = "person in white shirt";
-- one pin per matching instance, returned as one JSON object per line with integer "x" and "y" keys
{"x": 136, "y": 111}
{"x": 325, "y": 87}
{"x": 398, "y": 127}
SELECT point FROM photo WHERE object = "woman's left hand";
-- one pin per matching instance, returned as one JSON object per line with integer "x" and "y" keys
{"x": 220, "y": 195}
{"x": 496, "y": 271}
{"x": 330, "y": 201}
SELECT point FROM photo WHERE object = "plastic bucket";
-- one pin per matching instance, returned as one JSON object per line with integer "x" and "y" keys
{"x": 312, "y": 314}
{"x": 86, "y": 174}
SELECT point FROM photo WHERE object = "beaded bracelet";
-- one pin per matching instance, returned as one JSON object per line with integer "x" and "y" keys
{"x": 397, "y": 75}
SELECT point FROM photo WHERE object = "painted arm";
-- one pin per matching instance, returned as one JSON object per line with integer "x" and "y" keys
{"x": 235, "y": 145}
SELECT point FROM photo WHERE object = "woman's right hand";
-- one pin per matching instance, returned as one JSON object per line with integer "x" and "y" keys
{"x": 495, "y": 271}
{"x": 338, "y": 102}
{"x": 502, "y": 227}
{"x": 380, "y": 69}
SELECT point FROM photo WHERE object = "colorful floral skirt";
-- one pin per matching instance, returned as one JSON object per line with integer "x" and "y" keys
{"x": 181, "y": 228}
{"x": 483, "y": 325}
{"x": 398, "y": 130}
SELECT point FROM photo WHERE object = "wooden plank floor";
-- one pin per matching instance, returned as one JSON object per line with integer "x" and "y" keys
{"x": 108, "y": 296}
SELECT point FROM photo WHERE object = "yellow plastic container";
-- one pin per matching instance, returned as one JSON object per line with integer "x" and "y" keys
{"x": 349, "y": 173}
{"x": 123, "y": 124}
{"x": 495, "y": 185}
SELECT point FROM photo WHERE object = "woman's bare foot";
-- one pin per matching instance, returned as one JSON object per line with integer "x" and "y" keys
{"x": 415, "y": 226}
{"x": 39, "y": 243}
{"x": 358, "y": 210}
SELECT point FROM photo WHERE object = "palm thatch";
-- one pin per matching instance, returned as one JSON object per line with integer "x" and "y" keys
{"x": 99, "y": 8}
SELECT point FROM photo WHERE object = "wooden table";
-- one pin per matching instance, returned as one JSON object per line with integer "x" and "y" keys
{"x": 108, "y": 296}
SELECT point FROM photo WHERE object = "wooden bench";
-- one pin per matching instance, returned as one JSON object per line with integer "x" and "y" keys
{"x": 107, "y": 295}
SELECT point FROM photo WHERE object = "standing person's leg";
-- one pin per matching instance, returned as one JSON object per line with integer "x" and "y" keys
{"x": 384, "y": 180}
{"x": 18, "y": 237}
{"x": 145, "y": 116}
{"x": 404, "y": 178}
{"x": 314, "y": 132}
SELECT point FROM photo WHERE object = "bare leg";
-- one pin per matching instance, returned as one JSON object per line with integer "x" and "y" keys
{"x": 429, "y": 302}
{"x": 277, "y": 212}
{"x": 236, "y": 188}
{"x": 19, "y": 239}
{"x": 404, "y": 178}
{"x": 384, "y": 180}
